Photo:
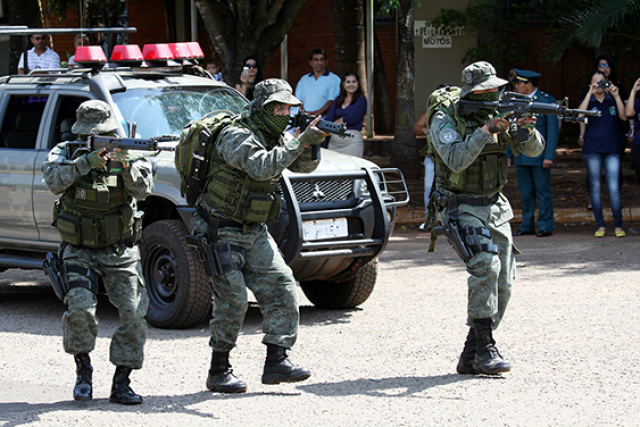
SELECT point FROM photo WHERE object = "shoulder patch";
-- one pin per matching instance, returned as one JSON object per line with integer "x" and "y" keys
{"x": 448, "y": 135}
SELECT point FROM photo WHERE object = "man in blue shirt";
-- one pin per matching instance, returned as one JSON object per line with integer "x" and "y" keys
{"x": 318, "y": 89}
{"x": 534, "y": 173}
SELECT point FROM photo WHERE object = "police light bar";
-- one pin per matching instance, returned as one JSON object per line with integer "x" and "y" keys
{"x": 90, "y": 56}
{"x": 157, "y": 52}
{"x": 127, "y": 55}
{"x": 181, "y": 51}
{"x": 196, "y": 51}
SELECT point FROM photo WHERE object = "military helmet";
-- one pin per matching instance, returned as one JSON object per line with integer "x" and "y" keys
{"x": 479, "y": 76}
{"x": 94, "y": 116}
{"x": 271, "y": 90}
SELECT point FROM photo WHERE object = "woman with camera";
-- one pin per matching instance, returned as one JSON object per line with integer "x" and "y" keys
{"x": 251, "y": 75}
{"x": 602, "y": 143}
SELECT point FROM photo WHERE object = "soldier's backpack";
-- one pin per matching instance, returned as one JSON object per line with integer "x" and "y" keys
{"x": 194, "y": 151}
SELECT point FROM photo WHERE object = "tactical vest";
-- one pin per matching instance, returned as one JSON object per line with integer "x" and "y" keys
{"x": 95, "y": 211}
{"x": 235, "y": 195}
{"x": 486, "y": 175}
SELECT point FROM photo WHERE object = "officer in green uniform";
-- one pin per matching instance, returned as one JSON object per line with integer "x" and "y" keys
{"x": 239, "y": 197}
{"x": 98, "y": 223}
{"x": 470, "y": 171}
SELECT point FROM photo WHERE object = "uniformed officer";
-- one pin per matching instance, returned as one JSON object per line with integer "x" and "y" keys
{"x": 471, "y": 169}
{"x": 97, "y": 221}
{"x": 240, "y": 196}
{"x": 534, "y": 173}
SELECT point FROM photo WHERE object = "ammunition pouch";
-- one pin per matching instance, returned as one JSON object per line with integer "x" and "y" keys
{"x": 97, "y": 229}
{"x": 137, "y": 229}
{"x": 235, "y": 195}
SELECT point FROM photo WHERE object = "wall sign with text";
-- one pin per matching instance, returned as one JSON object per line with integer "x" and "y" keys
{"x": 436, "y": 37}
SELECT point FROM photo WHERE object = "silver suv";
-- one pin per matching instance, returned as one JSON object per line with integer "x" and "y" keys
{"x": 334, "y": 224}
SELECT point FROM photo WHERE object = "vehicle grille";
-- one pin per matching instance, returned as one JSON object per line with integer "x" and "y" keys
{"x": 332, "y": 190}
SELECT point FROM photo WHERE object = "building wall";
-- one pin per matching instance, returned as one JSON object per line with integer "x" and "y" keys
{"x": 436, "y": 66}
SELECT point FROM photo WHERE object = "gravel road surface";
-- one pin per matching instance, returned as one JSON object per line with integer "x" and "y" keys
{"x": 572, "y": 334}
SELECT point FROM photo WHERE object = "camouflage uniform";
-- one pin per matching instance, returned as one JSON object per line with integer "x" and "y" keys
{"x": 118, "y": 265}
{"x": 492, "y": 270}
{"x": 259, "y": 265}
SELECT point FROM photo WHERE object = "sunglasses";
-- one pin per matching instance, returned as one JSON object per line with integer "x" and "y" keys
{"x": 603, "y": 65}
{"x": 251, "y": 65}
{"x": 38, "y": 38}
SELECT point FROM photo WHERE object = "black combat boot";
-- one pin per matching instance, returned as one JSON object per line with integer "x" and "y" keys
{"x": 120, "y": 390}
{"x": 221, "y": 378}
{"x": 488, "y": 359}
{"x": 465, "y": 363}
{"x": 278, "y": 368}
{"x": 83, "y": 391}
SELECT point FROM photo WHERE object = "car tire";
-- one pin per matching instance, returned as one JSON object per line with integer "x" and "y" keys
{"x": 341, "y": 295}
{"x": 178, "y": 287}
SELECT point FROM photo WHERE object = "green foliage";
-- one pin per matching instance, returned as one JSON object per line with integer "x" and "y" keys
{"x": 385, "y": 8}
{"x": 495, "y": 31}
{"x": 609, "y": 25}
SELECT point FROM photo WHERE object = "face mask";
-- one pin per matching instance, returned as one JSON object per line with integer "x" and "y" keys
{"x": 487, "y": 96}
{"x": 269, "y": 122}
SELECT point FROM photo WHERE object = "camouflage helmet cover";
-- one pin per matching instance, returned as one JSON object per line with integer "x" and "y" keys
{"x": 94, "y": 116}
{"x": 271, "y": 90}
{"x": 480, "y": 76}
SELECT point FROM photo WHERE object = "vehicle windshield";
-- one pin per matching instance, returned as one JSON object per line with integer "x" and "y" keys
{"x": 166, "y": 111}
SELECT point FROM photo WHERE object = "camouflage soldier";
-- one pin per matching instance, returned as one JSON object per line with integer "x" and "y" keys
{"x": 239, "y": 197}
{"x": 98, "y": 224}
{"x": 470, "y": 171}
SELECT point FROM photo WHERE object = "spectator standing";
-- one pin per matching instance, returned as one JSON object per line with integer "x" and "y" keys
{"x": 213, "y": 68}
{"x": 601, "y": 147}
{"x": 318, "y": 89}
{"x": 80, "y": 40}
{"x": 534, "y": 173}
{"x": 420, "y": 128}
{"x": 349, "y": 108}
{"x": 40, "y": 56}
{"x": 251, "y": 75}
{"x": 632, "y": 111}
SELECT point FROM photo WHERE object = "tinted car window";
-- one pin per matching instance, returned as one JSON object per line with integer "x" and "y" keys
{"x": 22, "y": 121}
{"x": 166, "y": 111}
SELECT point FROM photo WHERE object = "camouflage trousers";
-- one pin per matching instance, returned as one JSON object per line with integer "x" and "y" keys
{"x": 491, "y": 275}
{"x": 122, "y": 277}
{"x": 265, "y": 273}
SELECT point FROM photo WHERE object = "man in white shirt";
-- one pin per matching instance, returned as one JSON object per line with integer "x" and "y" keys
{"x": 40, "y": 56}
{"x": 318, "y": 89}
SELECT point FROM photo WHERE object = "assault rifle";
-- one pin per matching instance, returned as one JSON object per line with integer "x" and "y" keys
{"x": 111, "y": 143}
{"x": 521, "y": 105}
{"x": 303, "y": 120}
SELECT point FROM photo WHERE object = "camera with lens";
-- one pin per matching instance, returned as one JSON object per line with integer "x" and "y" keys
{"x": 604, "y": 85}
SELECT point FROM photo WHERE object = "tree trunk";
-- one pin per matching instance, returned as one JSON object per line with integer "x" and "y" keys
{"x": 25, "y": 12}
{"x": 384, "y": 114}
{"x": 404, "y": 146}
{"x": 239, "y": 28}
{"x": 349, "y": 40}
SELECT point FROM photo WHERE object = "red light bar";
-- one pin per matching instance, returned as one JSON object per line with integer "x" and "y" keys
{"x": 196, "y": 51}
{"x": 180, "y": 51}
{"x": 90, "y": 55}
{"x": 126, "y": 53}
{"x": 156, "y": 51}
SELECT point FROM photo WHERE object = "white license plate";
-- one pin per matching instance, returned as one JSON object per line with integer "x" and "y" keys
{"x": 319, "y": 229}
